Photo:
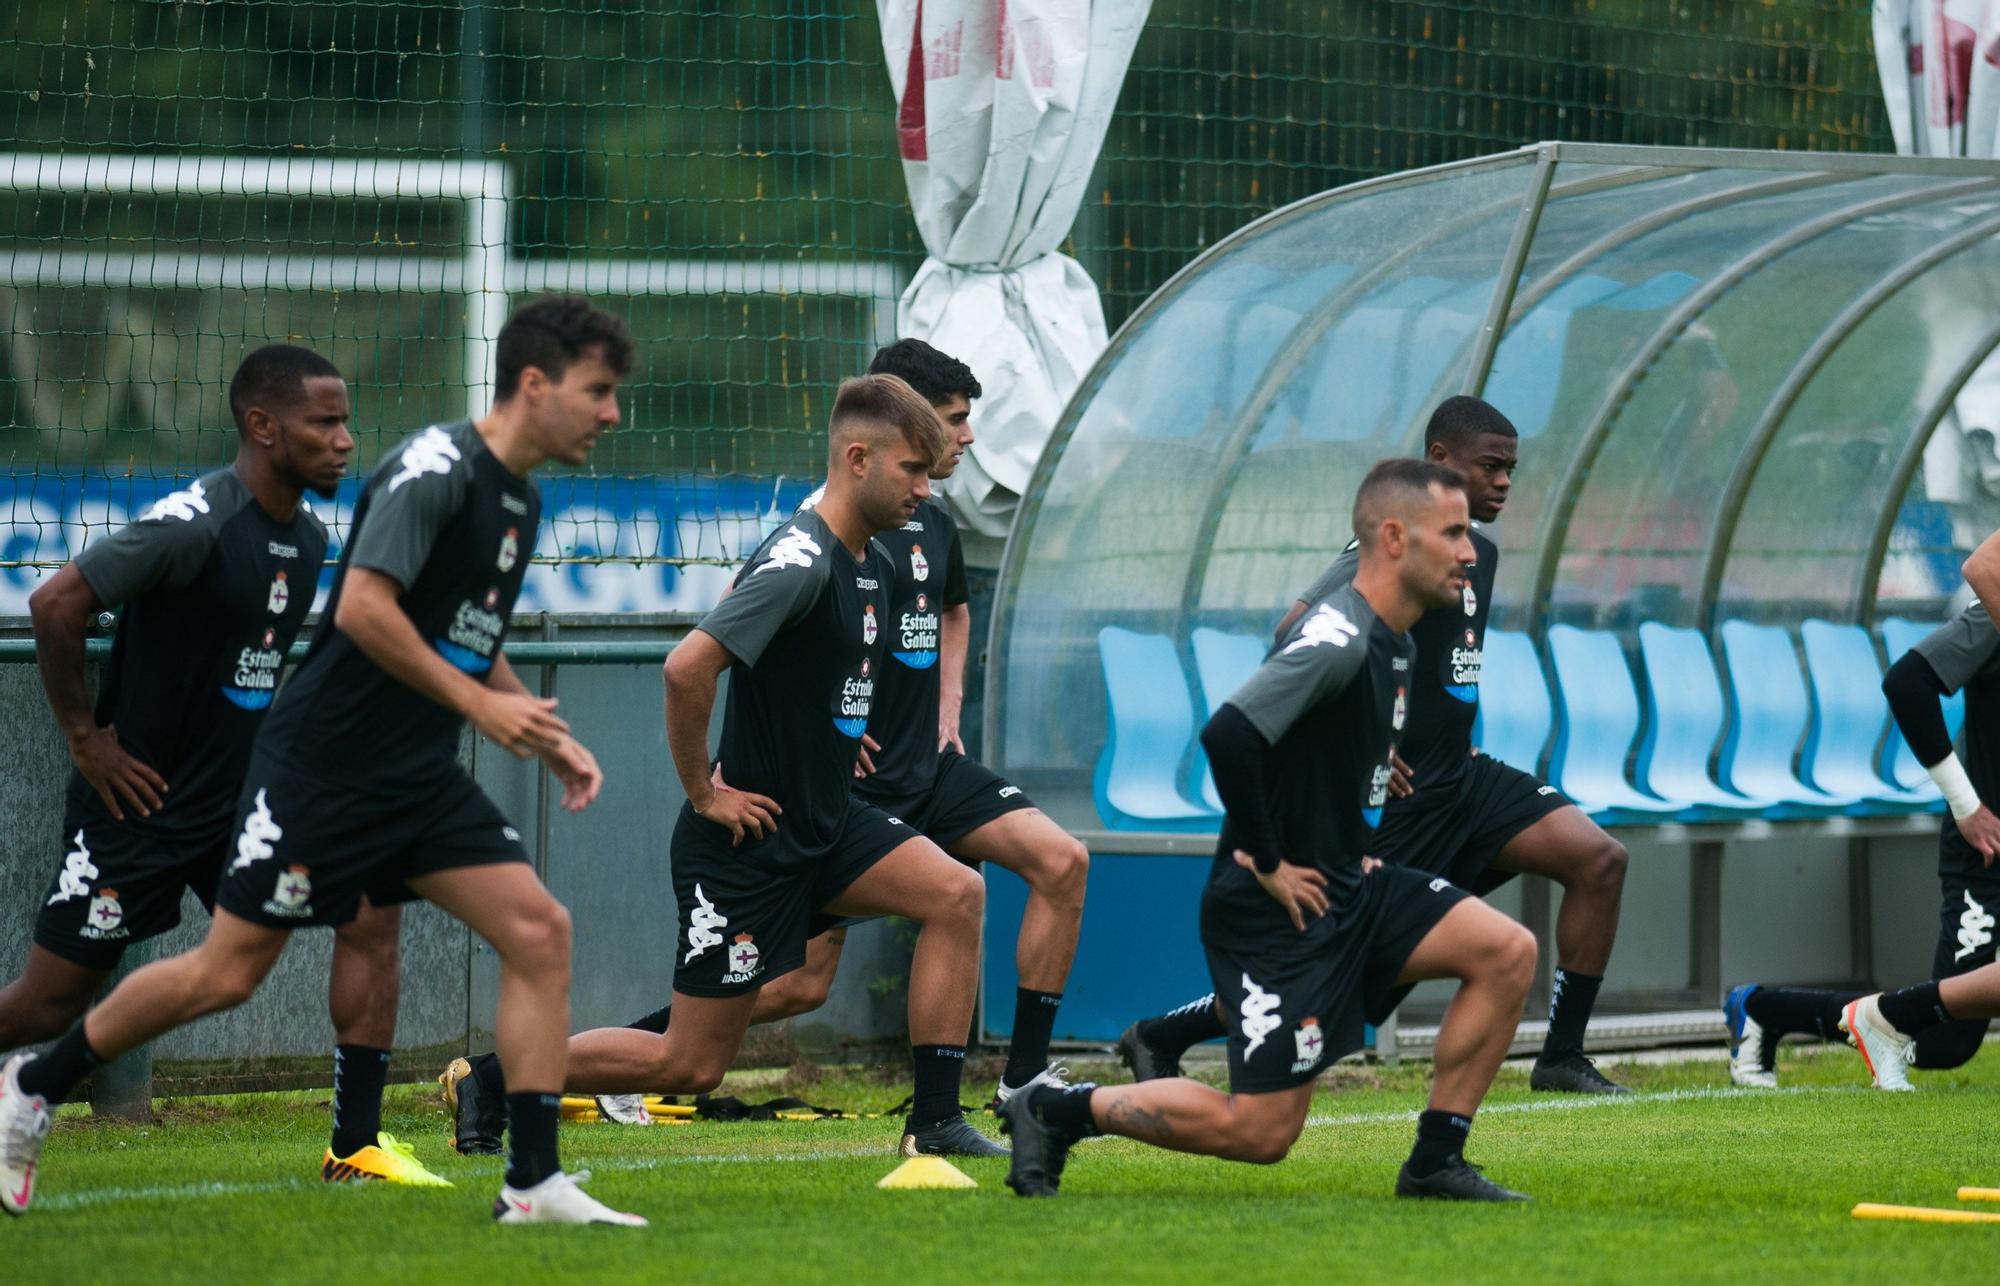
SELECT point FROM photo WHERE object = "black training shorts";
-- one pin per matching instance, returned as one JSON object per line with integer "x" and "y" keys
{"x": 119, "y": 884}
{"x": 1294, "y": 1002}
{"x": 964, "y": 795}
{"x": 1458, "y": 829}
{"x": 746, "y": 911}
{"x": 1969, "y": 905}
{"x": 307, "y": 848}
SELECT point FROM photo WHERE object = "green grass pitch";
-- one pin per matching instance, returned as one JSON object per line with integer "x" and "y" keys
{"x": 1690, "y": 1180}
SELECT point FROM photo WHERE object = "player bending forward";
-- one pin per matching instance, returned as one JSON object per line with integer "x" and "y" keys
{"x": 354, "y": 786}
{"x": 1306, "y": 937}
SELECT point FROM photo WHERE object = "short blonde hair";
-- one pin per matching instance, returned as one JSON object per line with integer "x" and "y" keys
{"x": 870, "y": 403}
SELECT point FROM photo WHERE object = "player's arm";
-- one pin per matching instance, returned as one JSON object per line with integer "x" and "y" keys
{"x": 371, "y": 615}
{"x": 1982, "y": 572}
{"x": 1915, "y": 692}
{"x": 62, "y": 610}
{"x": 954, "y": 640}
{"x": 572, "y": 763}
{"x": 1237, "y": 755}
{"x": 692, "y": 671}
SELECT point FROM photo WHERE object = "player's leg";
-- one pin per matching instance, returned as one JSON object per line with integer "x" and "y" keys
{"x": 362, "y": 998}
{"x": 916, "y": 880}
{"x": 1569, "y": 848}
{"x": 1493, "y": 959}
{"x": 530, "y": 932}
{"x": 1965, "y": 944}
{"x": 1757, "y": 1017}
{"x": 221, "y": 973}
{"x": 49, "y": 995}
{"x": 1056, "y": 868}
{"x": 1153, "y": 1047}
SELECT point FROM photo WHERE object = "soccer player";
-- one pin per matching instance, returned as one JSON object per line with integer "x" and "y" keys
{"x": 913, "y": 763}
{"x": 1963, "y": 655}
{"x": 1306, "y": 937}
{"x": 354, "y": 786}
{"x": 215, "y": 581}
{"x": 776, "y": 833}
{"x": 1470, "y": 818}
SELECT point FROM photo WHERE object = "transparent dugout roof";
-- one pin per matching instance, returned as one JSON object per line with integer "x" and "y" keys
{"x": 1725, "y": 367}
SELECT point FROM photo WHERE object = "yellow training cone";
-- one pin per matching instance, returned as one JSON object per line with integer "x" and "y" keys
{"x": 936, "y": 1172}
{"x": 1979, "y": 1194}
{"x": 1922, "y": 1214}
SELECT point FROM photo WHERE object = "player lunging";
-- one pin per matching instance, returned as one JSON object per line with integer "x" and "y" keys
{"x": 1307, "y": 938}
{"x": 777, "y": 833}
{"x": 1470, "y": 818}
{"x": 354, "y": 786}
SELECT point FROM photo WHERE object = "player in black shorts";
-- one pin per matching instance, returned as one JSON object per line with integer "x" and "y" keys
{"x": 914, "y": 766}
{"x": 1306, "y": 937}
{"x": 215, "y": 581}
{"x": 1964, "y": 656}
{"x": 1457, "y": 813}
{"x": 772, "y": 831}
{"x": 354, "y": 786}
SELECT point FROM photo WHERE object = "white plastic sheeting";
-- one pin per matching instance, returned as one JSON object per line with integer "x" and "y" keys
{"x": 1002, "y": 107}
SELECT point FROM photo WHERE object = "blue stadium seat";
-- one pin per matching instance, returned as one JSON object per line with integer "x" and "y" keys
{"x": 1849, "y": 714}
{"x": 1684, "y": 718}
{"x": 1769, "y": 696}
{"x": 1514, "y": 710}
{"x": 1150, "y": 724}
{"x": 1600, "y": 719}
{"x": 1221, "y": 662}
{"x": 1899, "y": 764}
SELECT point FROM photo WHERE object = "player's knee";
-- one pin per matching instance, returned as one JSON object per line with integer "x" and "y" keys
{"x": 961, "y": 899}
{"x": 1606, "y": 867}
{"x": 1065, "y": 874}
{"x": 1514, "y": 959}
{"x": 1951, "y": 1045}
{"x": 541, "y": 939}
{"x": 1267, "y": 1143}
{"x": 228, "y": 987}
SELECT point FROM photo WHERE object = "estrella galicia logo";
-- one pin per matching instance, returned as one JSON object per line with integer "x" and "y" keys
{"x": 852, "y": 702}
{"x": 254, "y": 681}
{"x": 1461, "y": 667}
{"x": 916, "y": 637}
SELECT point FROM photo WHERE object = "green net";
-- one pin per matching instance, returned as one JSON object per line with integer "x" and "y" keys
{"x": 725, "y": 175}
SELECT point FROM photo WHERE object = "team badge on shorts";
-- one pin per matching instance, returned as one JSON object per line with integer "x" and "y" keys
{"x": 105, "y": 919}
{"x": 293, "y": 894}
{"x": 744, "y": 959}
{"x": 1310, "y": 1043}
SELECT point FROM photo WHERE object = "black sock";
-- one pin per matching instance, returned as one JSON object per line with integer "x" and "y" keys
{"x": 1571, "y": 998}
{"x": 487, "y": 1071}
{"x": 1811, "y": 1010}
{"x": 1176, "y": 1030}
{"x": 1440, "y": 1139}
{"x": 359, "y": 1072}
{"x": 1067, "y": 1110}
{"x": 1914, "y": 1009}
{"x": 938, "y": 1070}
{"x": 56, "y": 1072}
{"x": 1034, "y": 1023}
{"x": 655, "y": 1022}
{"x": 531, "y": 1138}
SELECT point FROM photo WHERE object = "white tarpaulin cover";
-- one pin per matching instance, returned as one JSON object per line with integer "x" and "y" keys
{"x": 1002, "y": 106}
{"x": 1940, "y": 66}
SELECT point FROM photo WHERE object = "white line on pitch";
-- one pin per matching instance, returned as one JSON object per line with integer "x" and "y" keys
{"x": 1584, "y": 1102}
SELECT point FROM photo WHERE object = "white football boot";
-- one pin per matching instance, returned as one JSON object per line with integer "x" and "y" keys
{"x": 1055, "y": 1076}
{"x": 1886, "y": 1051}
{"x": 557, "y": 1199}
{"x": 624, "y": 1109}
{"x": 24, "y": 1124}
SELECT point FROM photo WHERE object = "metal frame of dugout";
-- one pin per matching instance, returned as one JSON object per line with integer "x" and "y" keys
{"x": 1189, "y": 482}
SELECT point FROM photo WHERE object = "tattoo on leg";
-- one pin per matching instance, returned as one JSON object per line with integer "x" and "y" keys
{"x": 1134, "y": 1121}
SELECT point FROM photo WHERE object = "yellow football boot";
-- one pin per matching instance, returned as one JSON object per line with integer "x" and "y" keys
{"x": 391, "y": 1161}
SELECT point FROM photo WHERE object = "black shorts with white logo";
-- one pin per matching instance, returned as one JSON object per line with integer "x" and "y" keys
{"x": 118, "y": 884}
{"x": 1458, "y": 830}
{"x": 1969, "y": 906}
{"x": 306, "y": 849}
{"x": 1294, "y": 1002}
{"x": 964, "y": 796}
{"x": 746, "y": 911}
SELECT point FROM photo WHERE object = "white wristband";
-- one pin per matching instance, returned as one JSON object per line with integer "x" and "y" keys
{"x": 1950, "y": 777}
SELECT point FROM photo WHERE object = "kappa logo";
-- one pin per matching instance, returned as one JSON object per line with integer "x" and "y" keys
{"x": 281, "y": 594}
{"x": 1310, "y": 1043}
{"x": 510, "y": 550}
{"x": 514, "y": 504}
{"x": 1975, "y": 928}
{"x": 77, "y": 872}
{"x": 745, "y": 961}
{"x": 183, "y": 505}
{"x": 1326, "y": 625}
{"x": 260, "y": 834}
{"x": 105, "y": 919}
{"x": 1440, "y": 884}
{"x": 283, "y": 551}
{"x": 1260, "y": 1014}
{"x": 431, "y": 451}
{"x": 1008, "y": 792}
{"x": 702, "y": 925}
{"x": 919, "y": 569}
{"x": 292, "y": 896}
{"x": 794, "y": 549}
{"x": 509, "y": 834}
{"x": 1546, "y": 790}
